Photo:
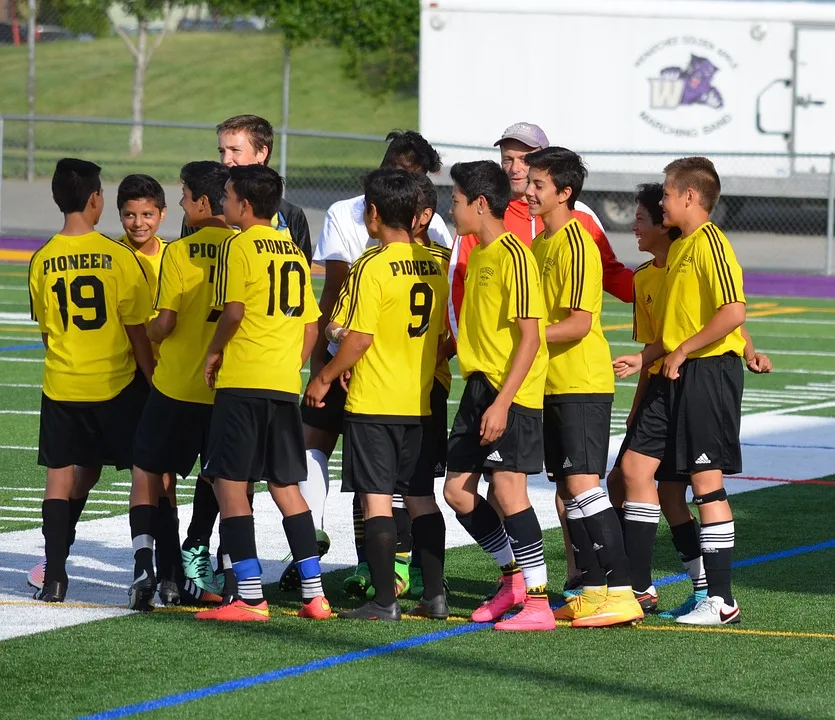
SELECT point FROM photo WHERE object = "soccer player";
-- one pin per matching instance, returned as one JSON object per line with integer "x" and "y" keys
{"x": 90, "y": 297}
{"x": 343, "y": 239}
{"x": 580, "y": 386}
{"x": 498, "y": 427}
{"x": 394, "y": 321}
{"x": 175, "y": 424}
{"x": 262, "y": 339}
{"x": 693, "y": 410}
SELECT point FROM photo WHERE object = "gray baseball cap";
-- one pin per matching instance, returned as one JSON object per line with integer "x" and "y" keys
{"x": 531, "y": 135}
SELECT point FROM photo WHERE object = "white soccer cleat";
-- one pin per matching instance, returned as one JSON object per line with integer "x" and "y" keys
{"x": 711, "y": 611}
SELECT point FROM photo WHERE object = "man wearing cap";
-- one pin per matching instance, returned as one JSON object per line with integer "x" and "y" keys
{"x": 516, "y": 142}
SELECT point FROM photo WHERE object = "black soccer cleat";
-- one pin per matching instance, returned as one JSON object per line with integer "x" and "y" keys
{"x": 52, "y": 592}
{"x": 169, "y": 593}
{"x": 373, "y": 611}
{"x": 648, "y": 600}
{"x": 435, "y": 608}
{"x": 141, "y": 593}
{"x": 290, "y": 580}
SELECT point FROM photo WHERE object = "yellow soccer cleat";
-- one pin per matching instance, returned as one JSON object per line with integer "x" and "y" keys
{"x": 581, "y": 605}
{"x": 620, "y": 608}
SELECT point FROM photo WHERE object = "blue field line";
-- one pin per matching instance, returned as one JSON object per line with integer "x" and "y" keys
{"x": 406, "y": 644}
{"x": 796, "y": 447}
{"x": 13, "y": 348}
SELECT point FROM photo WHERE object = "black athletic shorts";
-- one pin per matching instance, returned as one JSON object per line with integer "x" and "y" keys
{"x": 576, "y": 435}
{"x": 330, "y": 417}
{"x": 255, "y": 438}
{"x": 92, "y": 434}
{"x": 171, "y": 434}
{"x": 696, "y": 417}
{"x": 432, "y": 460}
{"x": 379, "y": 458}
{"x": 666, "y": 471}
{"x": 519, "y": 449}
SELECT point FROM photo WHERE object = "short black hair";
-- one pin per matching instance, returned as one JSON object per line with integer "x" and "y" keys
{"x": 260, "y": 186}
{"x": 428, "y": 194}
{"x": 565, "y": 167}
{"x": 649, "y": 197}
{"x": 140, "y": 187}
{"x": 73, "y": 182}
{"x": 483, "y": 178}
{"x": 395, "y": 193}
{"x": 411, "y": 151}
{"x": 206, "y": 177}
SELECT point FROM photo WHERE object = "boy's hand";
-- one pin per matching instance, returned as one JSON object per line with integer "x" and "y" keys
{"x": 626, "y": 365}
{"x": 344, "y": 379}
{"x": 314, "y": 395}
{"x": 759, "y": 364}
{"x": 672, "y": 363}
{"x": 493, "y": 423}
{"x": 213, "y": 363}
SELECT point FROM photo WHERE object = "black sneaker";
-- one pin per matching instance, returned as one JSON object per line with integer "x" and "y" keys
{"x": 373, "y": 611}
{"x": 141, "y": 593}
{"x": 52, "y": 592}
{"x": 435, "y": 608}
{"x": 169, "y": 593}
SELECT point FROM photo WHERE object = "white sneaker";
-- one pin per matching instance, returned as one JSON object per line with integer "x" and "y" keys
{"x": 711, "y": 611}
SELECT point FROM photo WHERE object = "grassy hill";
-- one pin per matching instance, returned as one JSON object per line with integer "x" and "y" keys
{"x": 194, "y": 77}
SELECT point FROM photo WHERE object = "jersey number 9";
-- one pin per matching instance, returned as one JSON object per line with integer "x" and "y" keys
{"x": 95, "y": 301}
{"x": 421, "y": 306}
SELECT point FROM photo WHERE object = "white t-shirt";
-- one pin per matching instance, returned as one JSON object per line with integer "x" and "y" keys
{"x": 345, "y": 238}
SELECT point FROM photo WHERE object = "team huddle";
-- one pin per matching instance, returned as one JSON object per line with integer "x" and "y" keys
{"x": 159, "y": 354}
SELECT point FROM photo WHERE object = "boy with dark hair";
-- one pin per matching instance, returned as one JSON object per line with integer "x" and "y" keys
{"x": 579, "y": 387}
{"x": 498, "y": 427}
{"x": 398, "y": 285}
{"x": 262, "y": 339}
{"x": 175, "y": 424}
{"x": 692, "y": 412}
{"x": 91, "y": 299}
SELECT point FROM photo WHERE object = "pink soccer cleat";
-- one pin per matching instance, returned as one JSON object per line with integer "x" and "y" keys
{"x": 36, "y": 575}
{"x": 535, "y": 615}
{"x": 512, "y": 592}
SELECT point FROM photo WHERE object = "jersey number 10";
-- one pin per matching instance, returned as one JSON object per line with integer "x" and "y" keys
{"x": 284, "y": 289}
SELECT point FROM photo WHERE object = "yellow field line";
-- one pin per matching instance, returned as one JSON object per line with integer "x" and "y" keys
{"x": 16, "y": 255}
{"x": 13, "y": 274}
{"x": 737, "y": 631}
{"x": 20, "y": 330}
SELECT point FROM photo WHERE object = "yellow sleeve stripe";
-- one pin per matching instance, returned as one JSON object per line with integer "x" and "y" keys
{"x": 221, "y": 277}
{"x": 161, "y": 268}
{"x": 723, "y": 269}
{"x": 360, "y": 265}
{"x": 578, "y": 264}
{"x": 520, "y": 275}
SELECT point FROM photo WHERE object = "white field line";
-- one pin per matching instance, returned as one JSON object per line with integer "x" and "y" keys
{"x": 23, "y": 360}
{"x": 20, "y": 385}
{"x": 12, "y": 508}
{"x": 17, "y": 447}
{"x": 20, "y": 412}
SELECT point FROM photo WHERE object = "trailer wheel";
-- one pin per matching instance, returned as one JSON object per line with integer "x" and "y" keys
{"x": 617, "y": 211}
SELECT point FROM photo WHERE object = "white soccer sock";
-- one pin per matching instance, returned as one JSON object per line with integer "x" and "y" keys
{"x": 315, "y": 489}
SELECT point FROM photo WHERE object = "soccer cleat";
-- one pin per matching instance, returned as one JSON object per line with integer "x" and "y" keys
{"x": 511, "y": 593}
{"x": 54, "y": 592}
{"x": 435, "y": 608}
{"x": 35, "y": 577}
{"x": 535, "y": 615}
{"x": 190, "y": 594}
{"x": 290, "y": 580}
{"x": 686, "y": 607}
{"x": 711, "y": 611}
{"x": 141, "y": 593}
{"x": 572, "y": 587}
{"x": 358, "y": 583}
{"x": 236, "y": 611}
{"x": 323, "y": 542}
{"x": 620, "y": 608}
{"x": 317, "y": 608}
{"x": 401, "y": 577}
{"x": 373, "y": 611}
{"x": 416, "y": 582}
{"x": 169, "y": 593}
{"x": 581, "y": 605}
{"x": 648, "y": 600}
{"x": 197, "y": 565}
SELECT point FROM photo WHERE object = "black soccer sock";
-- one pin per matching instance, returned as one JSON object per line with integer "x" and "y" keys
{"x": 359, "y": 530}
{"x": 56, "y": 522}
{"x": 204, "y": 514}
{"x": 167, "y": 547}
{"x": 717, "y": 541}
{"x": 301, "y": 535}
{"x": 640, "y": 528}
{"x": 429, "y": 533}
{"x": 604, "y": 530}
{"x": 403, "y": 521}
{"x": 380, "y": 547}
{"x": 416, "y": 560}
{"x": 525, "y": 537}
{"x": 76, "y": 508}
{"x": 585, "y": 557}
{"x": 143, "y": 522}
{"x": 621, "y": 513}
{"x": 686, "y": 542}
{"x": 485, "y": 527}
{"x": 239, "y": 541}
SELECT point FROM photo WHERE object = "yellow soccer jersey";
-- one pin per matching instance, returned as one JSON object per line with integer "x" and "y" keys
{"x": 647, "y": 305}
{"x": 501, "y": 285}
{"x": 265, "y": 270}
{"x": 398, "y": 294}
{"x": 83, "y": 290}
{"x": 187, "y": 286}
{"x": 702, "y": 276}
{"x": 572, "y": 279}
{"x": 150, "y": 263}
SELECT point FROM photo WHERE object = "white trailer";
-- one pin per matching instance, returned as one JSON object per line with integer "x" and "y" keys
{"x": 633, "y": 84}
